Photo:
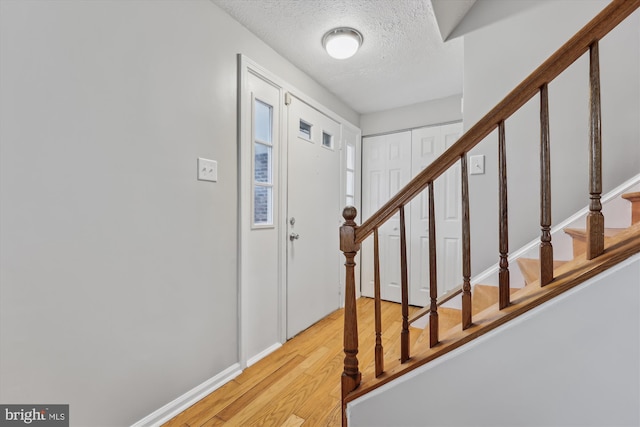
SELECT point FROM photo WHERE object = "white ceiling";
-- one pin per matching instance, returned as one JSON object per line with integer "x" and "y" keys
{"x": 402, "y": 61}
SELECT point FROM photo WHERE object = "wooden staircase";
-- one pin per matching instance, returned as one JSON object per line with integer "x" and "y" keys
{"x": 620, "y": 243}
{"x": 482, "y": 308}
{"x": 486, "y": 297}
{"x": 488, "y": 316}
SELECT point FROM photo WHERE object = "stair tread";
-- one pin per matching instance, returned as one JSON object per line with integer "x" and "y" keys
{"x": 581, "y": 232}
{"x": 484, "y": 296}
{"x": 635, "y": 207}
{"x": 579, "y": 236}
{"x": 530, "y": 268}
{"x": 632, "y": 197}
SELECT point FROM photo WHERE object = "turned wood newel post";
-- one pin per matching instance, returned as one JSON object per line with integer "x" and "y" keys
{"x": 351, "y": 375}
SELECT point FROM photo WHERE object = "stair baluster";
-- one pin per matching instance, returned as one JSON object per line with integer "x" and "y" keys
{"x": 546, "y": 249}
{"x": 466, "y": 246}
{"x": 404, "y": 279}
{"x": 595, "y": 219}
{"x": 503, "y": 227}
{"x": 379, "y": 352}
{"x": 433, "y": 276}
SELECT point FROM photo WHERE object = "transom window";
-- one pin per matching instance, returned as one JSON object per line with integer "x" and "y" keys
{"x": 327, "y": 140}
{"x": 305, "y": 130}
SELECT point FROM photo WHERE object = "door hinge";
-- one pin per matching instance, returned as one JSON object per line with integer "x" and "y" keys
{"x": 287, "y": 98}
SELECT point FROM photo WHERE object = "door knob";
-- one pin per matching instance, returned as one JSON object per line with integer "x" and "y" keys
{"x": 294, "y": 236}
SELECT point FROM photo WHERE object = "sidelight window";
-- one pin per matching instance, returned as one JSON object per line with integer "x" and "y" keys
{"x": 262, "y": 163}
{"x": 350, "y": 189}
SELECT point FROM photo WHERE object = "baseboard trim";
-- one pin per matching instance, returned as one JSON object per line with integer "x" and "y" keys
{"x": 264, "y": 353}
{"x": 178, "y": 405}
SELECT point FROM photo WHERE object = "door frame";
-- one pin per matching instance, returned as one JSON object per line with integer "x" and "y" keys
{"x": 247, "y": 66}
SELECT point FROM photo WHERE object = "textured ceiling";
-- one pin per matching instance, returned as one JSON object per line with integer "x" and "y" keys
{"x": 402, "y": 61}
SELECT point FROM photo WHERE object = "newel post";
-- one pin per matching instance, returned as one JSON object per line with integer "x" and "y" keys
{"x": 351, "y": 375}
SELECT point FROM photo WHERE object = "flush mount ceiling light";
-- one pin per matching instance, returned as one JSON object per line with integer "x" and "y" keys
{"x": 342, "y": 43}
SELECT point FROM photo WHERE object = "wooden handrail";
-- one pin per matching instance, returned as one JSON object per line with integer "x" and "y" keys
{"x": 596, "y": 29}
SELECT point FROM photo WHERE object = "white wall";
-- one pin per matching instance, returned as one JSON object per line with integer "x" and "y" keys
{"x": 118, "y": 282}
{"x": 501, "y": 55}
{"x": 437, "y": 111}
{"x": 572, "y": 361}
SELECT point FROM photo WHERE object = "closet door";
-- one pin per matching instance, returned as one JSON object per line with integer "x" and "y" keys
{"x": 386, "y": 168}
{"x": 427, "y": 144}
{"x": 389, "y": 162}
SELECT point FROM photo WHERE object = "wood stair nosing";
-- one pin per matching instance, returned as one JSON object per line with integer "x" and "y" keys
{"x": 634, "y": 198}
{"x": 579, "y": 238}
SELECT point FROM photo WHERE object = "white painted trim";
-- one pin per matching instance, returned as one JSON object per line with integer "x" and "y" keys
{"x": 247, "y": 67}
{"x": 391, "y": 132}
{"x": 240, "y": 235}
{"x": 173, "y": 408}
{"x": 264, "y": 353}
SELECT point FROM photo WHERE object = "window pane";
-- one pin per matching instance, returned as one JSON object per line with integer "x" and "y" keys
{"x": 350, "y": 183}
{"x": 327, "y": 140}
{"x": 305, "y": 130}
{"x": 262, "y": 163}
{"x": 351, "y": 158}
{"x": 262, "y": 205}
{"x": 263, "y": 121}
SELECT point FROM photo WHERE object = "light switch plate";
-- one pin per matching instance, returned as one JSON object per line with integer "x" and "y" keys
{"x": 476, "y": 164}
{"x": 207, "y": 170}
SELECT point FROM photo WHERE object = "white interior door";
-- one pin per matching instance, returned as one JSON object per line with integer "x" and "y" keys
{"x": 389, "y": 162}
{"x": 313, "y": 216}
{"x": 386, "y": 169}
{"x": 427, "y": 144}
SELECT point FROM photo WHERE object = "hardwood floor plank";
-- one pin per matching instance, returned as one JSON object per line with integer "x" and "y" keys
{"x": 299, "y": 383}
{"x": 285, "y": 402}
{"x": 268, "y": 398}
{"x": 293, "y": 421}
{"x": 213, "y": 422}
{"x": 206, "y": 408}
{"x": 262, "y": 387}
{"x": 309, "y": 409}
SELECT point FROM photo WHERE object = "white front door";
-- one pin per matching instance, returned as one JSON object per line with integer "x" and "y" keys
{"x": 389, "y": 162}
{"x": 313, "y": 216}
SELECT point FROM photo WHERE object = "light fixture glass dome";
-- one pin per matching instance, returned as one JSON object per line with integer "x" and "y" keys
{"x": 342, "y": 43}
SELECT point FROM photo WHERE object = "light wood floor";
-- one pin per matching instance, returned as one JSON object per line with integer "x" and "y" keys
{"x": 298, "y": 384}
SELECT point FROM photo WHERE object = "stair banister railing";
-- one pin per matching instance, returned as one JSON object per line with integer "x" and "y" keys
{"x": 351, "y": 235}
